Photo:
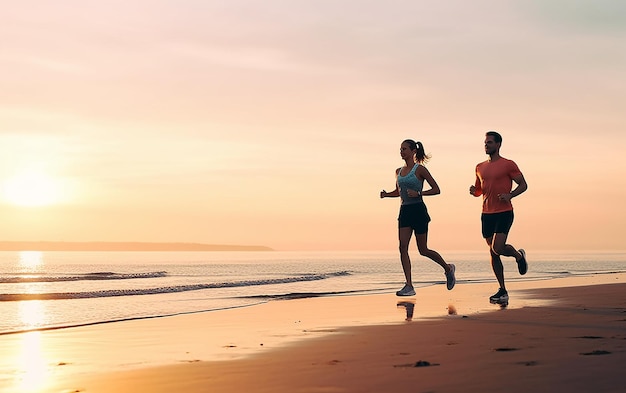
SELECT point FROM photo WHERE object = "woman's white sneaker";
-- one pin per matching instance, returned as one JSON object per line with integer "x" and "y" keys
{"x": 450, "y": 278}
{"x": 407, "y": 290}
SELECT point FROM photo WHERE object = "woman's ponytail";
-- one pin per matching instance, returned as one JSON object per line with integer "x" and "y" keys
{"x": 421, "y": 155}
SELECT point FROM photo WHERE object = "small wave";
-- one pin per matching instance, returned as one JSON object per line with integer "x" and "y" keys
{"x": 81, "y": 277}
{"x": 304, "y": 295}
{"x": 162, "y": 290}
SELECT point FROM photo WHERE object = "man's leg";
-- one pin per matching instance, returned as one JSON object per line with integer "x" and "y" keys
{"x": 499, "y": 246}
{"x": 496, "y": 262}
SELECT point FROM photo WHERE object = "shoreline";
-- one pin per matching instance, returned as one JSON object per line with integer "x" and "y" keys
{"x": 258, "y": 342}
{"x": 270, "y": 298}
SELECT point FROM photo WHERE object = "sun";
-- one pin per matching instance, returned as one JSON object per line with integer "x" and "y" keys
{"x": 32, "y": 188}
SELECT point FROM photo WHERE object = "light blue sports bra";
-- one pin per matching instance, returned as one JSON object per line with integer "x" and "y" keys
{"x": 409, "y": 182}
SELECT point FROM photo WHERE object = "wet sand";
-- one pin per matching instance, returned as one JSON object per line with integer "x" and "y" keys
{"x": 565, "y": 334}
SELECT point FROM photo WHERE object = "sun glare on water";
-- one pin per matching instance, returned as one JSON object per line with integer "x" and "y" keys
{"x": 32, "y": 188}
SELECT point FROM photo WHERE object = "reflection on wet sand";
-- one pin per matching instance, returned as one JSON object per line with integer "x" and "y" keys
{"x": 409, "y": 305}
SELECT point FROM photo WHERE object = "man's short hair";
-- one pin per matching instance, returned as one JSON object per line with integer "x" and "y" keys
{"x": 497, "y": 137}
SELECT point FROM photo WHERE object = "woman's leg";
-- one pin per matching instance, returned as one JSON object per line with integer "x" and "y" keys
{"x": 422, "y": 246}
{"x": 404, "y": 237}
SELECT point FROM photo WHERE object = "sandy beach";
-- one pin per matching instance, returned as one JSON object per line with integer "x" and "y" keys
{"x": 567, "y": 334}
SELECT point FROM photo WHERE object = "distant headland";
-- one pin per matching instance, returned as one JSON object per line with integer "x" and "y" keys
{"x": 122, "y": 246}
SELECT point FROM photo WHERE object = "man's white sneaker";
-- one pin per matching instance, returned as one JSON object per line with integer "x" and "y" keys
{"x": 502, "y": 296}
{"x": 522, "y": 264}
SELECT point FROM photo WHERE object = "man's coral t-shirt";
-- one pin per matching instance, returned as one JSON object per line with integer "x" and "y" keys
{"x": 494, "y": 178}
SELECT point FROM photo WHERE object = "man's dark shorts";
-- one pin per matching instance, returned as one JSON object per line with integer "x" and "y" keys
{"x": 496, "y": 223}
{"x": 415, "y": 216}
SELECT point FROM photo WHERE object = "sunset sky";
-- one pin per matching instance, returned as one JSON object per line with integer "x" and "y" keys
{"x": 278, "y": 122}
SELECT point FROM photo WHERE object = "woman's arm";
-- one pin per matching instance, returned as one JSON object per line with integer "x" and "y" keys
{"x": 393, "y": 194}
{"x": 423, "y": 173}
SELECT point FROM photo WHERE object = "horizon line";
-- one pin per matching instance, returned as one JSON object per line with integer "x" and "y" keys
{"x": 123, "y": 246}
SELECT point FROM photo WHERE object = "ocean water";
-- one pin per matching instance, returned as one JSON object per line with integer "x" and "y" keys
{"x": 43, "y": 290}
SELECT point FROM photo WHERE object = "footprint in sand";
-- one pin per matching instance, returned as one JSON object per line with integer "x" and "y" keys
{"x": 419, "y": 363}
{"x": 596, "y": 352}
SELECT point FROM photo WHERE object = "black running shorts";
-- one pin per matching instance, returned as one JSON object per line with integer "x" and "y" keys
{"x": 415, "y": 216}
{"x": 496, "y": 223}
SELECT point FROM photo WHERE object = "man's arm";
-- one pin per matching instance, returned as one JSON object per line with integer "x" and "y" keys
{"x": 521, "y": 187}
{"x": 476, "y": 190}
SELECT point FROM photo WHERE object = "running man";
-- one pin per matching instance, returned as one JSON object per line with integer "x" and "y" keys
{"x": 494, "y": 181}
